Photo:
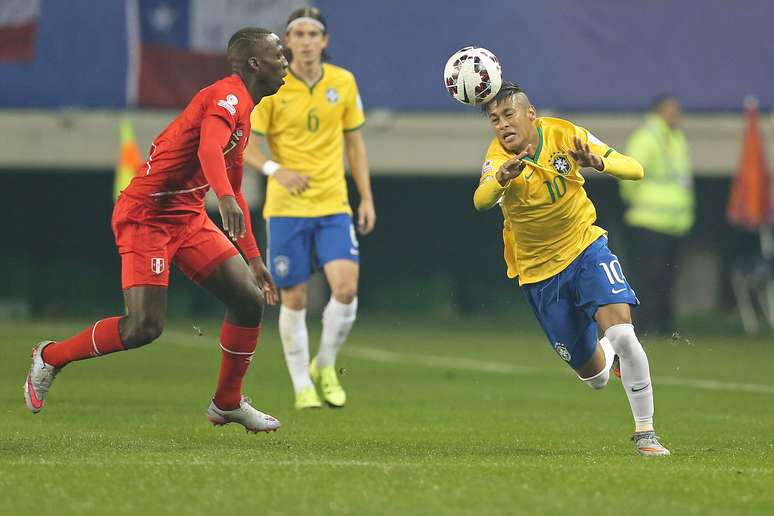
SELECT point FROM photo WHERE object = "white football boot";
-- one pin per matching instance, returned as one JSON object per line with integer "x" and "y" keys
{"x": 39, "y": 379}
{"x": 253, "y": 420}
{"x": 648, "y": 444}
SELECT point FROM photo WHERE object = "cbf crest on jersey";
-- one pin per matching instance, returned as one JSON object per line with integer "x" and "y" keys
{"x": 561, "y": 163}
{"x": 332, "y": 94}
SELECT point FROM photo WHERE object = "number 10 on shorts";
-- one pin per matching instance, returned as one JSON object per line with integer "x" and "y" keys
{"x": 614, "y": 274}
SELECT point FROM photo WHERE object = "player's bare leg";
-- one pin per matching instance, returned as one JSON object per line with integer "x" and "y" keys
{"x": 143, "y": 323}
{"x": 295, "y": 345}
{"x": 233, "y": 283}
{"x": 338, "y": 317}
{"x": 616, "y": 323}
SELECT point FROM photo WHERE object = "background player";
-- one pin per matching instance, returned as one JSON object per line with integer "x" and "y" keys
{"x": 160, "y": 218}
{"x": 572, "y": 281}
{"x": 309, "y": 220}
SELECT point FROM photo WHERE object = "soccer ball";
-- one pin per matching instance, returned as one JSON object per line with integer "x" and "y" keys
{"x": 473, "y": 75}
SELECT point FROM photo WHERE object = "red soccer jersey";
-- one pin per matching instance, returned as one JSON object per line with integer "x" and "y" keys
{"x": 173, "y": 177}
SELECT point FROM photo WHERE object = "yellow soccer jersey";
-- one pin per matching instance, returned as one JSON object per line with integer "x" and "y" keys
{"x": 549, "y": 219}
{"x": 304, "y": 127}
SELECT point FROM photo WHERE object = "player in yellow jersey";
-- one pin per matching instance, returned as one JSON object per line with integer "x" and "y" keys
{"x": 572, "y": 281}
{"x": 309, "y": 220}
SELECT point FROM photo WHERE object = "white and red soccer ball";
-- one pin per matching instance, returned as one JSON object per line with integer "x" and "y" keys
{"x": 473, "y": 75}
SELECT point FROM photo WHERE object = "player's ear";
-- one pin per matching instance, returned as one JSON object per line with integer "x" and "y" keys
{"x": 531, "y": 113}
{"x": 253, "y": 63}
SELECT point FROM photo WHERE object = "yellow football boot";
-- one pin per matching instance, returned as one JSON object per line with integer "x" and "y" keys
{"x": 307, "y": 398}
{"x": 328, "y": 381}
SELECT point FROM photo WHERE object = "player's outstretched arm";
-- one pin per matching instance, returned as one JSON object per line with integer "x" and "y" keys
{"x": 492, "y": 186}
{"x": 623, "y": 167}
{"x": 488, "y": 193}
{"x": 616, "y": 164}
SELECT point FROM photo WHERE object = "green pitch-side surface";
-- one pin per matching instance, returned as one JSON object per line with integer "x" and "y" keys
{"x": 443, "y": 418}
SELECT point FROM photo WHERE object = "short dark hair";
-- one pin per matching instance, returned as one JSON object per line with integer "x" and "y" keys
{"x": 661, "y": 99}
{"x": 507, "y": 90}
{"x": 251, "y": 36}
{"x": 306, "y": 12}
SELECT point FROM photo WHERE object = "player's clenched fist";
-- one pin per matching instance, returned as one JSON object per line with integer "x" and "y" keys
{"x": 513, "y": 167}
{"x": 232, "y": 216}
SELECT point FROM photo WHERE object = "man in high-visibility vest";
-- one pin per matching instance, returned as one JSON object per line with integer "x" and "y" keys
{"x": 659, "y": 210}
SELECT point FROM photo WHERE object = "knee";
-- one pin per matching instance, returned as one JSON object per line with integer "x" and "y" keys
{"x": 250, "y": 307}
{"x": 344, "y": 293}
{"x": 623, "y": 339}
{"x": 294, "y": 297}
{"x": 598, "y": 381}
{"x": 142, "y": 330}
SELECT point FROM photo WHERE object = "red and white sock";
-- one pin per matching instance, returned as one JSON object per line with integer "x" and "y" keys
{"x": 99, "y": 339}
{"x": 238, "y": 346}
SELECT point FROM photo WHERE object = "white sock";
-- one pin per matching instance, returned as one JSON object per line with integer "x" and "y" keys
{"x": 635, "y": 373}
{"x": 295, "y": 344}
{"x": 338, "y": 319}
{"x": 599, "y": 380}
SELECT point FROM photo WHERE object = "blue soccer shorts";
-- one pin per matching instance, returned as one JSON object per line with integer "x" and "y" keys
{"x": 565, "y": 304}
{"x": 300, "y": 245}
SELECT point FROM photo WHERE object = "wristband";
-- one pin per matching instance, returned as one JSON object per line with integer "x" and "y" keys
{"x": 270, "y": 167}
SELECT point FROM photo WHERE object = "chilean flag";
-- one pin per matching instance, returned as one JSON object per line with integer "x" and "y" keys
{"x": 177, "y": 47}
{"x": 18, "y": 25}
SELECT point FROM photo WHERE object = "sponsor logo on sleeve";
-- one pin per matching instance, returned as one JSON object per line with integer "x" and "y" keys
{"x": 487, "y": 167}
{"x": 228, "y": 103}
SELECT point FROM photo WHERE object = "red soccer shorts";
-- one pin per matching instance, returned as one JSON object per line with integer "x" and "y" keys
{"x": 149, "y": 238}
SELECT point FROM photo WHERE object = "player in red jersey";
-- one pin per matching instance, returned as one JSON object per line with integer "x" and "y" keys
{"x": 160, "y": 218}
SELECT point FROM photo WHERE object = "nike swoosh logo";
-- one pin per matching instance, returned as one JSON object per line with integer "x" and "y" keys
{"x": 530, "y": 175}
{"x": 34, "y": 401}
{"x": 641, "y": 388}
{"x": 618, "y": 290}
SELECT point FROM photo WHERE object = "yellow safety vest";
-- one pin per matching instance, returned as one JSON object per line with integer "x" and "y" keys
{"x": 663, "y": 201}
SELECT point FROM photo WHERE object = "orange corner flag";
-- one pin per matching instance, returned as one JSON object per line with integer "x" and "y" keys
{"x": 129, "y": 159}
{"x": 750, "y": 203}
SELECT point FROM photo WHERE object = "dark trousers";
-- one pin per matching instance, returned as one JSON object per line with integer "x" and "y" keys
{"x": 651, "y": 270}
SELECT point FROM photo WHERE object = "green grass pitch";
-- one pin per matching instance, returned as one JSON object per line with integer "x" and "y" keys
{"x": 465, "y": 417}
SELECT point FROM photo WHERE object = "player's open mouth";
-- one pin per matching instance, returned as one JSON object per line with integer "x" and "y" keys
{"x": 509, "y": 137}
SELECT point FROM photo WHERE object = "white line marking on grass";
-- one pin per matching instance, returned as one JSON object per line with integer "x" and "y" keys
{"x": 714, "y": 385}
{"x": 215, "y": 462}
{"x": 380, "y": 355}
{"x": 392, "y": 357}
